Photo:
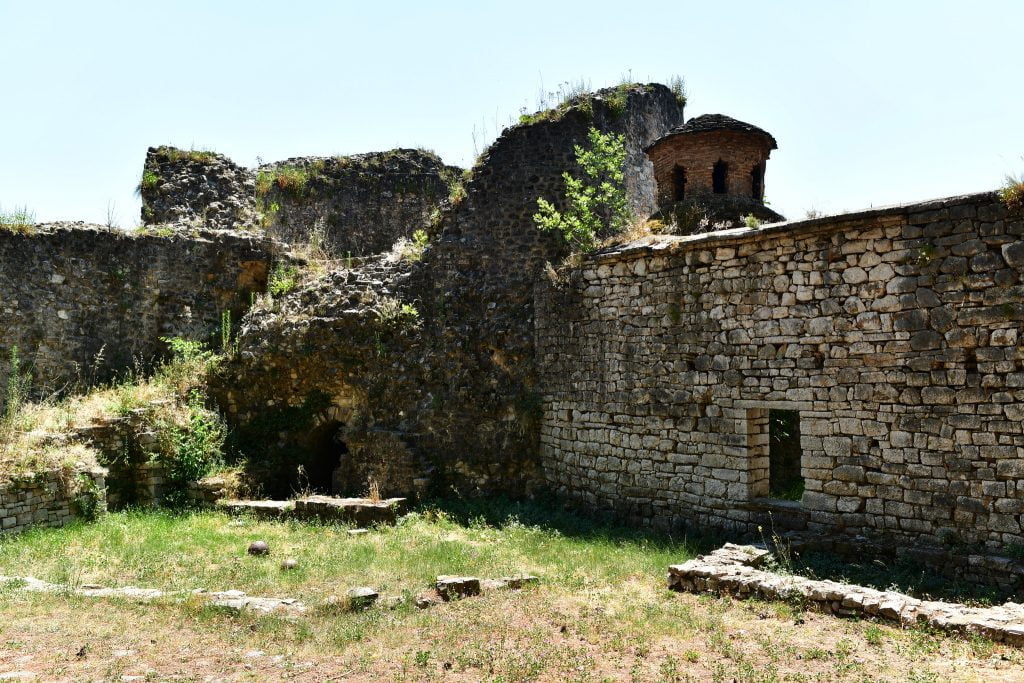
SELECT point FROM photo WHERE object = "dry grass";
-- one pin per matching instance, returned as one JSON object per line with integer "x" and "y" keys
{"x": 42, "y": 435}
{"x": 1012, "y": 192}
{"x": 600, "y": 613}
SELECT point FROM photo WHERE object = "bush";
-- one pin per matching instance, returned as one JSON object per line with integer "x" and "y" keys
{"x": 596, "y": 202}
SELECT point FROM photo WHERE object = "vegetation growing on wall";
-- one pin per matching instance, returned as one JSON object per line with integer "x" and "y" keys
{"x": 19, "y": 219}
{"x": 1012, "y": 192}
{"x": 595, "y": 203}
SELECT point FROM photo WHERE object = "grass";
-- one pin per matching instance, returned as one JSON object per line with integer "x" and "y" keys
{"x": 41, "y": 435}
{"x": 1012, "y": 192}
{"x": 18, "y": 220}
{"x": 601, "y": 611}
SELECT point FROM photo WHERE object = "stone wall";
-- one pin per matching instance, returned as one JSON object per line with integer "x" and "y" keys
{"x": 355, "y": 205}
{"x": 197, "y": 187}
{"x": 896, "y": 334}
{"x": 82, "y": 302}
{"x": 450, "y": 389}
{"x": 50, "y": 499}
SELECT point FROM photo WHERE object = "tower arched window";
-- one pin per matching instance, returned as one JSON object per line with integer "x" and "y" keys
{"x": 720, "y": 177}
{"x": 757, "y": 182}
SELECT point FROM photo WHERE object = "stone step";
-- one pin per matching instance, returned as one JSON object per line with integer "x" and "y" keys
{"x": 360, "y": 511}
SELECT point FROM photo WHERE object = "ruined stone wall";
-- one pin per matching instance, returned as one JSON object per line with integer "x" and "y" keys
{"x": 355, "y": 205}
{"x": 450, "y": 391}
{"x": 896, "y": 334}
{"x": 348, "y": 205}
{"x": 50, "y": 499}
{"x": 197, "y": 187}
{"x": 82, "y": 302}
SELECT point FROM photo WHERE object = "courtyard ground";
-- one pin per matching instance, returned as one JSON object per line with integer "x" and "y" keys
{"x": 600, "y": 611}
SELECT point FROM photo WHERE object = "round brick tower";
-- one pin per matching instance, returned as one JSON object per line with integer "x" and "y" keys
{"x": 710, "y": 173}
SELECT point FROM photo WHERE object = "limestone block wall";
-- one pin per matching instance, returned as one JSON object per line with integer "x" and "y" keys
{"x": 82, "y": 302}
{"x": 48, "y": 499}
{"x": 896, "y": 333}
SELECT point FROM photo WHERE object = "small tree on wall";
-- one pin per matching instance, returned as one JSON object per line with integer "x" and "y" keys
{"x": 596, "y": 202}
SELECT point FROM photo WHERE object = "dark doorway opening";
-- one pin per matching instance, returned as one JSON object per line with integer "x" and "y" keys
{"x": 325, "y": 450}
{"x": 757, "y": 182}
{"x": 785, "y": 476}
{"x": 720, "y": 177}
{"x": 678, "y": 183}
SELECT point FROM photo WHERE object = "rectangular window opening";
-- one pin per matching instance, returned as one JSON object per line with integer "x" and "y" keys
{"x": 785, "y": 476}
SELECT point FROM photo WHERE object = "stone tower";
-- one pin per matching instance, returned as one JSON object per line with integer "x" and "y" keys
{"x": 710, "y": 173}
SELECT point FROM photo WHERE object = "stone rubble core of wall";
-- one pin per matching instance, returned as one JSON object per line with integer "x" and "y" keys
{"x": 447, "y": 401}
{"x": 895, "y": 333}
{"x": 733, "y": 570}
{"x": 48, "y": 499}
{"x": 83, "y": 303}
{"x": 351, "y": 205}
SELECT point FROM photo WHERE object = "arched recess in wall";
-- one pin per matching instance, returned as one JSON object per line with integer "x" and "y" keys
{"x": 678, "y": 183}
{"x": 720, "y": 177}
{"x": 757, "y": 182}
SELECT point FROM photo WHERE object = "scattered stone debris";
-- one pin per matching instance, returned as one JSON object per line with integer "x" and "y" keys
{"x": 361, "y": 511}
{"x": 238, "y": 601}
{"x": 362, "y": 597}
{"x": 231, "y": 599}
{"x": 259, "y": 548}
{"x": 733, "y": 570}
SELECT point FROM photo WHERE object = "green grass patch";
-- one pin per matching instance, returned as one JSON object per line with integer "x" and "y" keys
{"x": 183, "y": 551}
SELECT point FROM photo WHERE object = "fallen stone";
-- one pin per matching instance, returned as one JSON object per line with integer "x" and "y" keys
{"x": 427, "y": 599}
{"x": 264, "y": 509}
{"x": 453, "y": 587}
{"x": 259, "y": 548}
{"x": 361, "y": 511}
{"x": 358, "y": 532}
{"x": 362, "y": 597}
{"x": 509, "y": 582}
{"x": 289, "y": 564}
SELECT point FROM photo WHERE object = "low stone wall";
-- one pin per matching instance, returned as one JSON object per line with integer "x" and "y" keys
{"x": 51, "y": 499}
{"x": 895, "y": 334}
{"x": 82, "y": 302}
{"x": 733, "y": 570}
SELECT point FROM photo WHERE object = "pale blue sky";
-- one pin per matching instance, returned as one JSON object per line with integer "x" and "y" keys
{"x": 872, "y": 102}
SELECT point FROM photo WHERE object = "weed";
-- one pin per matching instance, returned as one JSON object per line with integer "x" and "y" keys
{"x": 1012, "y": 192}
{"x": 391, "y": 312}
{"x": 412, "y": 250}
{"x": 283, "y": 279}
{"x": 752, "y": 221}
{"x": 678, "y": 87}
{"x": 18, "y": 220}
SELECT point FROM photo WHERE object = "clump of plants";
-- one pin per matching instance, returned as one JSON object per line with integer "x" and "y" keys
{"x": 412, "y": 250}
{"x": 19, "y": 220}
{"x": 752, "y": 221}
{"x": 288, "y": 179}
{"x": 175, "y": 154}
{"x": 392, "y": 313}
{"x": 1012, "y": 192}
{"x": 283, "y": 279}
{"x": 595, "y": 200}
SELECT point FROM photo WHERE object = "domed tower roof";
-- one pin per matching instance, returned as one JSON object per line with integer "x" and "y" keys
{"x": 712, "y": 122}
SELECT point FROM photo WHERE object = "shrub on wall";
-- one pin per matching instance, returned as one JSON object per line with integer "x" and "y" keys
{"x": 596, "y": 201}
